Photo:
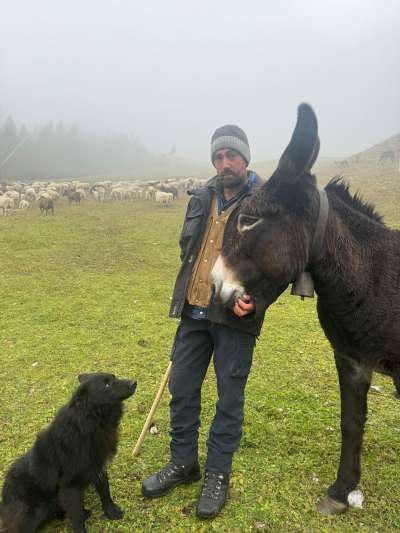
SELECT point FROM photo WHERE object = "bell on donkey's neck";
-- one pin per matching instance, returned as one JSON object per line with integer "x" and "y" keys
{"x": 303, "y": 286}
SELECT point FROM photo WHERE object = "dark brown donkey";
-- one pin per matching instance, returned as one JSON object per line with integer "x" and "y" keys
{"x": 354, "y": 261}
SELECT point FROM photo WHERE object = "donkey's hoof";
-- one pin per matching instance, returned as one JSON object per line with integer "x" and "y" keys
{"x": 329, "y": 506}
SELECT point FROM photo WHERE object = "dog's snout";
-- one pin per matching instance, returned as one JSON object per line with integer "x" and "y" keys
{"x": 132, "y": 385}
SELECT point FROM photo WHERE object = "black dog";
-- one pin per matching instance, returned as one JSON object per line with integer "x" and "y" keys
{"x": 49, "y": 480}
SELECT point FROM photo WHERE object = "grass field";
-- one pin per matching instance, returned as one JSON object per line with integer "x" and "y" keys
{"x": 89, "y": 290}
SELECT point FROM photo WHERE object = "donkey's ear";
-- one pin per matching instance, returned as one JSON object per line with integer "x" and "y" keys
{"x": 302, "y": 151}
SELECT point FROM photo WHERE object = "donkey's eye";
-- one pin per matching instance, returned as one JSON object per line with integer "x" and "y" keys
{"x": 248, "y": 222}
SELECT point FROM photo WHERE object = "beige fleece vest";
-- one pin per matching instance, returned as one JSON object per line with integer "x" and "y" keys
{"x": 199, "y": 288}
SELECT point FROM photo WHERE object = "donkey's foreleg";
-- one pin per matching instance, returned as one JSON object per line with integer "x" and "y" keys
{"x": 354, "y": 383}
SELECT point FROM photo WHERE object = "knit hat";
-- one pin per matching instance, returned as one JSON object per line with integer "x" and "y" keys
{"x": 233, "y": 137}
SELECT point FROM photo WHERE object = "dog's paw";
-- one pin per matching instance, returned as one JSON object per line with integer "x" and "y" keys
{"x": 87, "y": 513}
{"x": 113, "y": 512}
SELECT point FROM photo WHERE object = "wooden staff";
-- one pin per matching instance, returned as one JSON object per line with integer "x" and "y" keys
{"x": 150, "y": 416}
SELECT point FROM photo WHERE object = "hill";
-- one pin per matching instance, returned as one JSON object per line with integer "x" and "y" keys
{"x": 386, "y": 152}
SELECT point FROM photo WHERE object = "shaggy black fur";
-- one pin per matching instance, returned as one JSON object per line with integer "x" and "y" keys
{"x": 341, "y": 189}
{"x": 50, "y": 479}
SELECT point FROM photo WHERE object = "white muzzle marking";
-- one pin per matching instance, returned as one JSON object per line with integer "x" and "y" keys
{"x": 226, "y": 284}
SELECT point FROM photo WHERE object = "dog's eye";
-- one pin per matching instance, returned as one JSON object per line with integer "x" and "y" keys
{"x": 107, "y": 385}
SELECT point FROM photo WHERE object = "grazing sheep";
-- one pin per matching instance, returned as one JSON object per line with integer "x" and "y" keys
{"x": 14, "y": 195}
{"x": 164, "y": 198}
{"x": 172, "y": 190}
{"x": 53, "y": 194}
{"x": 98, "y": 193}
{"x": 82, "y": 193}
{"x": 117, "y": 193}
{"x": 24, "y": 204}
{"x": 6, "y": 204}
{"x": 73, "y": 196}
{"x": 45, "y": 205}
{"x": 30, "y": 194}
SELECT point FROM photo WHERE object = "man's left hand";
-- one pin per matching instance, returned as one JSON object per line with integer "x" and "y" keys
{"x": 244, "y": 305}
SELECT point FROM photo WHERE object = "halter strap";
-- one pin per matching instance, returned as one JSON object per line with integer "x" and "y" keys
{"x": 319, "y": 233}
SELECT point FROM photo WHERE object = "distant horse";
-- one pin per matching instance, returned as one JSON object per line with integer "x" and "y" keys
{"x": 342, "y": 163}
{"x": 289, "y": 227}
{"x": 386, "y": 156}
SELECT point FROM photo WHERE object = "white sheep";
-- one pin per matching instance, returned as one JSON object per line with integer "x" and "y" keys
{"x": 24, "y": 204}
{"x": 164, "y": 198}
{"x": 6, "y": 204}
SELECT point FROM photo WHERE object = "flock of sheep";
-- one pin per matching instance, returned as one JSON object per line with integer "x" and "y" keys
{"x": 46, "y": 194}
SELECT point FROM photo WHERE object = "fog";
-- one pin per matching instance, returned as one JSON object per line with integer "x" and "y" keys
{"x": 170, "y": 72}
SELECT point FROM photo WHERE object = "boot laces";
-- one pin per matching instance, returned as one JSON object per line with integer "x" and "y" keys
{"x": 166, "y": 472}
{"x": 212, "y": 485}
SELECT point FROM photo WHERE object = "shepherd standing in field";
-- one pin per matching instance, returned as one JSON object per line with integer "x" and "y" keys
{"x": 207, "y": 328}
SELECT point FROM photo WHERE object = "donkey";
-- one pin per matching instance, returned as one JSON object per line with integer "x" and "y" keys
{"x": 289, "y": 227}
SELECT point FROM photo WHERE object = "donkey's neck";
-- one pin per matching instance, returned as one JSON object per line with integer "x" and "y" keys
{"x": 347, "y": 276}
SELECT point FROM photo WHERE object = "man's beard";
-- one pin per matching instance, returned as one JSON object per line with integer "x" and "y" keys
{"x": 230, "y": 180}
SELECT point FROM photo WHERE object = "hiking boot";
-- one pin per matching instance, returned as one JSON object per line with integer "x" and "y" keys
{"x": 213, "y": 494}
{"x": 169, "y": 477}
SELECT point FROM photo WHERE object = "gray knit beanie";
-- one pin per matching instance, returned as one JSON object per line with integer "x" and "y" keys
{"x": 233, "y": 137}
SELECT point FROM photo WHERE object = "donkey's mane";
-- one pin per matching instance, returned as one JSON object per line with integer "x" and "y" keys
{"x": 341, "y": 189}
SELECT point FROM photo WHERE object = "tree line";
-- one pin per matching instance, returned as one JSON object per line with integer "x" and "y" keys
{"x": 58, "y": 152}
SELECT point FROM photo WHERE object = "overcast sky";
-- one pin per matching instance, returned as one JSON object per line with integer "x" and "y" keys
{"x": 172, "y": 71}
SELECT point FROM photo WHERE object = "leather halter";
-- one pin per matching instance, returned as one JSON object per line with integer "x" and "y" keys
{"x": 303, "y": 285}
{"x": 320, "y": 228}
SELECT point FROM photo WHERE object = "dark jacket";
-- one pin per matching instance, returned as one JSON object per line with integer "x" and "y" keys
{"x": 190, "y": 241}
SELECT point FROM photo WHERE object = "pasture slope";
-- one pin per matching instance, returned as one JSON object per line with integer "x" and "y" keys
{"x": 88, "y": 290}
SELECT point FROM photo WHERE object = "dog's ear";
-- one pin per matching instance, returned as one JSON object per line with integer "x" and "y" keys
{"x": 83, "y": 377}
{"x": 79, "y": 398}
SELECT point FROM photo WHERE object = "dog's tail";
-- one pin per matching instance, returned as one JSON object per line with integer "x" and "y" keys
{"x": 2, "y": 519}
{"x": 11, "y": 515}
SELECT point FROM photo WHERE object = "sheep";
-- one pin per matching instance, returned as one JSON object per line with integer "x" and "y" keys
{"x": 164, "y": 198}
{"x": 168, "y": 188}
{"x": 73, "y": 196}
{"x": 6, "y": 204}
{"x": 14, "y": 195}
{"x": 45, "y": 205}
{"x": 82, "y": 193}
{"x": 24, "y": 204}
{"x": 53, "y": 194}
{"x": 30, "y": 194}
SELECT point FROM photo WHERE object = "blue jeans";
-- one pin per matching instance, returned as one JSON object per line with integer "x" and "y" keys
{"x": 195, "y": 342}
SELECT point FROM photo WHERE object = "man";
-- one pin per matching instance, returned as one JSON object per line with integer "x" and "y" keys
{"x": 206, "y": 327}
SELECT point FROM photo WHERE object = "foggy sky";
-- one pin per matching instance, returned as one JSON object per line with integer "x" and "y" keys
{"x": 172, "y": 71}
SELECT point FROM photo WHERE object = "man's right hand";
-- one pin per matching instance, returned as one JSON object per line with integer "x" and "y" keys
{"x": 244, "y": 305}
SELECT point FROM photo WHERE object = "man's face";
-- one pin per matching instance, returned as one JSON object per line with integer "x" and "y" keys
{"x": 231, "y": 168}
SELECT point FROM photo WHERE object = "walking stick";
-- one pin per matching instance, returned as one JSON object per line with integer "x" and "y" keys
{"x": 150, "y": 416}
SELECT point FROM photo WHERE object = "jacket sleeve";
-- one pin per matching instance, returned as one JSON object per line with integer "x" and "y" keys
{"x": 191, "y": 224}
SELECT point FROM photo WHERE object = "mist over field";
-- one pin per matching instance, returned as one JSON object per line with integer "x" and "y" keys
{"x": 106, "y": 114}
{"x": 117, "y": 85}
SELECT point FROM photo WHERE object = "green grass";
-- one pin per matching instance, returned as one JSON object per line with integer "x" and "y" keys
{"x": 89, "y": 290}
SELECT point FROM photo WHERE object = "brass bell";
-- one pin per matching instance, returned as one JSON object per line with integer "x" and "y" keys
{"x": 303, "y": 286}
